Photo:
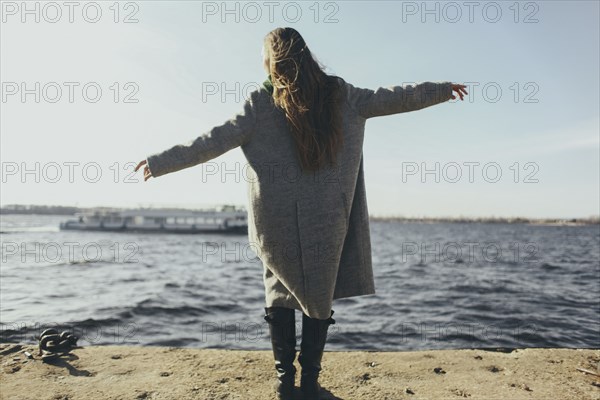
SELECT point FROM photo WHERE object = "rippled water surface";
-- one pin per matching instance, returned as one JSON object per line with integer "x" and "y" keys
{"x": 439, "y": 285}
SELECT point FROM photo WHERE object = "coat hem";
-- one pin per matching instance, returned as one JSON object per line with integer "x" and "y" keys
{"x": 354, "y": 294}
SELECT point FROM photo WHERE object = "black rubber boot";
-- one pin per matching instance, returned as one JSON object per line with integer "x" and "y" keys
{"x": 282, "y": 328}
{"x": 314, "y": 336}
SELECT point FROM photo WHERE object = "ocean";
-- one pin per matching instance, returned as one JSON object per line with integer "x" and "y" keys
{"x": 439, "y": 286}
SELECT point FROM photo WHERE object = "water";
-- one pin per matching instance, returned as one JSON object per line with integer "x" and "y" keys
{"x": 439, "y": 286}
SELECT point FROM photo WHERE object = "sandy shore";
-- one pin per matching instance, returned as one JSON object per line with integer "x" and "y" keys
{"x": 119, "y": 372}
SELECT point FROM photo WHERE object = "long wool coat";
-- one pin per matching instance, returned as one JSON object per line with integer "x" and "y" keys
{"x": 311, "y": 230}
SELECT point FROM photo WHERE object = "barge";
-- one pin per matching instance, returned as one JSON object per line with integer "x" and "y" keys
{"x": 222, "y": 219}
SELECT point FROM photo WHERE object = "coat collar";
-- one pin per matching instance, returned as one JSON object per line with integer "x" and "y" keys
{"x": 268, "y": 84}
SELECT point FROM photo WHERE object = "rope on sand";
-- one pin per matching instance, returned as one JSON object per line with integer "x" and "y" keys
{"x": 52, "y": 344}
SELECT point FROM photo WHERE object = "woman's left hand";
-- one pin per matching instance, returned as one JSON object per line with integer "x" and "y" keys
{"x": 460, "y": 89}
{"x": 147, "y": 173}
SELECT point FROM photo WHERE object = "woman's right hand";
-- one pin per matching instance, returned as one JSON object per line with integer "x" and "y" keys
{"x": 458, "y": 89}
{"x": 147, "y": 173}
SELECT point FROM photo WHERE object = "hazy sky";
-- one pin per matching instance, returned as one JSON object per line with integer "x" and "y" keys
{"x": 525, "y": 141}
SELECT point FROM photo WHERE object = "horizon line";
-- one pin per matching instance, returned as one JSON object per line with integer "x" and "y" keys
{"x": 52, "y": 209}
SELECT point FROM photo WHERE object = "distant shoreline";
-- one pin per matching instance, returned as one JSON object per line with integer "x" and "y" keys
{"x": 70, "y": 211}
{"x": 494, "y": 220}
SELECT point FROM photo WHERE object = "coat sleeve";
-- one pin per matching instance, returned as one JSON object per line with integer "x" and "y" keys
{"x": 397, "y": 99}
{"x": 220, "y": 139}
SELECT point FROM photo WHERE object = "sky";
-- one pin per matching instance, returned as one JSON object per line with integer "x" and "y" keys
{"x": 89, "y": 91}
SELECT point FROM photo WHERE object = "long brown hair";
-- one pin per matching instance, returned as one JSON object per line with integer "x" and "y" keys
{"x": 308, "y": 96}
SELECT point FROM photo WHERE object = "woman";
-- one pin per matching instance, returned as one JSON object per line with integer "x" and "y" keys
{"x": 302, "y": 135}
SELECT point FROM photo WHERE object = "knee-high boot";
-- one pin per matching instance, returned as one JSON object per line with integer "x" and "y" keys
{"x": 314, "y": 336}
{"x": 282, "y": 328}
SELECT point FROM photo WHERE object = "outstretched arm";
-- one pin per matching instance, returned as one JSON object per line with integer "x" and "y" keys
{"x": 398, "y": 99}
{"x": 233, "y": 133}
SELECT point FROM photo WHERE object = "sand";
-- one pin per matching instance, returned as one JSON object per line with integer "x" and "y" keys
{"x": 129, "y": 372}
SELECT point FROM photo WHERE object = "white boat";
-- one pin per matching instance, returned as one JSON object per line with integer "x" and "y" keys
{"x": 223, "y": 219}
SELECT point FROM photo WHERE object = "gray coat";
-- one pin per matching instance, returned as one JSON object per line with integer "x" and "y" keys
{"x": 311, "y": 231}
